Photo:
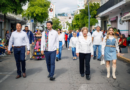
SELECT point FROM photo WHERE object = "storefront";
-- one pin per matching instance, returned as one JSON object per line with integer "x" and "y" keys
{"x": 126, "y": 18}
{"x": 114, "y": 22}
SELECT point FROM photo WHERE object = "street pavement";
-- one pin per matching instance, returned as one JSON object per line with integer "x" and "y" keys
{"x": 66, "y": 73}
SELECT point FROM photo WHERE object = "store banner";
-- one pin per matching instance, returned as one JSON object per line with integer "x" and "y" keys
{"x": 80, "y": 4}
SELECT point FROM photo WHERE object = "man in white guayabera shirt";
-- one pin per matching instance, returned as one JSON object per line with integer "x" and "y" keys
{"x": 19, "y": 40}
{"x": 50, "y": 47}
{"x": 97, "y": 39}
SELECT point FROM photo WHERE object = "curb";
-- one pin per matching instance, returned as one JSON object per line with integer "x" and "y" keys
{"x": 123, "y": 58}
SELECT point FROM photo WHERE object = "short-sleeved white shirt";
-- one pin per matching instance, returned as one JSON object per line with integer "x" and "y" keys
{"x": 97, "y": 38}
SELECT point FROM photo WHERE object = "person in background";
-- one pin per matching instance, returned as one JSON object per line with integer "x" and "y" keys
{"x": 12, "y": 46}
{"x": 72, "y": 45}
{"x": 61, "y": 44}
{"x": 66, "y": 37}
{"x": 7, "y": 35}
{"x": 128, "y": 41}
{"x": 84, "y": 50}
{"x": 122, "y": 42}
{"x": 63, "y": 33}
{"x": 50, "y": 47}
{"x": 31, "y": 41}
{"x": 77, "y": 32}
{"x": 97, "y": 38}
{"x": 70, "y": 35}
{"x": 109, "y": 49}
{"x": 2, "y": 49}
{"x": 19, "y": 39}
{"x": 91, "y": 32}
{"x": 0, "y": 39}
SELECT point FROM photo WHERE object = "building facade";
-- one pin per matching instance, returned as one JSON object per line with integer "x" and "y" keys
{"x": 65, "y": 18}
{"x": 111, "y": 13}
{"x": 11, "y": 20}
{"x": 93, "y": 1}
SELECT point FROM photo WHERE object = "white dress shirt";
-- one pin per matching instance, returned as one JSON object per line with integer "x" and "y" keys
{"x": 84, "y": 45}
{"x": 98, "y": 36}
{"x": 73, "y": 42}
{"x": 53, "y": 41}
{"x": 104, "y": 44}
{"x": 61, "y": 38}
{"x": 19, "y": 39}
{"x": 81, "y": 34}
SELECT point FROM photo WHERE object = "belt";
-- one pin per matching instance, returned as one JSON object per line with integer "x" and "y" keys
{"x": 60, "y": 41}
{"x": 18, "y": 46}
{"x": 110, "y": 46}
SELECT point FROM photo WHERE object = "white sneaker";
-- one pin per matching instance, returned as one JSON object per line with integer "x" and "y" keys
{"x": 68, "y": 49}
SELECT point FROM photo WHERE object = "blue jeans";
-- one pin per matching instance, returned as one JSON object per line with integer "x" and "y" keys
{"x": 60, "y": 50}
{"x": 19, "y": 54}
{"x": 50, "y": 61}
{"x": 68, "y": 43}
{"x": 74, "y": 51}
{"x": 99, "y": 51}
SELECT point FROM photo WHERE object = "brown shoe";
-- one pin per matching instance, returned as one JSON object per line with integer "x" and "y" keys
{"x": 24, "y": 75}
{"x": 18, "y": 76}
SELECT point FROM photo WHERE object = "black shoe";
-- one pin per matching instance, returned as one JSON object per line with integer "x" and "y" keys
{"x": 88, "y": 77}
{"x": 99, "y": 59}
{"x": 52, "y": 78}
{"x": 56, "y": 59}
{"x": 94, "y": 58}
{"x": 82, "y": 75}
{"x": 60, "y": 59}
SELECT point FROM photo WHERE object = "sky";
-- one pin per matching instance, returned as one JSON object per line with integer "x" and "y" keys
{"x": 67, "y": 6}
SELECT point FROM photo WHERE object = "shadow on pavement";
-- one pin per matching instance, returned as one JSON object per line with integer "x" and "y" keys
{"x": 59, "y": 72}
{"x": 33, "y": 71}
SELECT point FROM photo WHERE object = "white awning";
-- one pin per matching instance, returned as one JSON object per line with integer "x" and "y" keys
{"x": 126, "y": 17}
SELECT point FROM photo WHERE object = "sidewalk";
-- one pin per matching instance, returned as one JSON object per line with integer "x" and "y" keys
{"x": 125, "y": 56}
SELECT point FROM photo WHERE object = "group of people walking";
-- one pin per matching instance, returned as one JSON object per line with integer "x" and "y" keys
{"x": 84, "y": 45}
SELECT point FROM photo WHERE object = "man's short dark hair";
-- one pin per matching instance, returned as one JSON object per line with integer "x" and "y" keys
{"x": 50, "y": 22}
{"x": 26, "y": 26}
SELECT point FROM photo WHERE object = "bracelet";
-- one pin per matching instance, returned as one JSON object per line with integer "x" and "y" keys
{"x": 57, "y": 49}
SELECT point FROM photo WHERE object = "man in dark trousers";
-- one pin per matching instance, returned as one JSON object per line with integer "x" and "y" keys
{"x": 50, "y": 46}
{"x": 19, "y": 39}
{"x": 31, "y": 41}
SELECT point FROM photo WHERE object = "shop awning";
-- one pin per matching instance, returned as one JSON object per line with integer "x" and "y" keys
{"x": 126, "y": 17}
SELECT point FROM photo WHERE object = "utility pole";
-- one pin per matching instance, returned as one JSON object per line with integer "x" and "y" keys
{"x": 88, "y": 16}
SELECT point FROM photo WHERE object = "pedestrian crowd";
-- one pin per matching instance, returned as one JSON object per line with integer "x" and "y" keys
{"x": 99, "y": 44}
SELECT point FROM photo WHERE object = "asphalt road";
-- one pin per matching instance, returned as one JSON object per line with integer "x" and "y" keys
{"x": 66, "y": 73}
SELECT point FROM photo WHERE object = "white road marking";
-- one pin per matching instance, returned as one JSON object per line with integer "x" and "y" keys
{"x": 8, "y": 74}
{"x": 5, "y": 77}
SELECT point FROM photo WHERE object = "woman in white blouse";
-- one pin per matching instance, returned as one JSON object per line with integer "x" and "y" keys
{"x": 109, "y": 49}
{"x": 72, "y": 45}
{"x": 61, "y": 44}
{"x": 84, "y": 49}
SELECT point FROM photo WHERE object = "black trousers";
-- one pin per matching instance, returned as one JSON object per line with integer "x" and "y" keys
{"x": 84, "y": 57}
{"x": 66, "y": 43}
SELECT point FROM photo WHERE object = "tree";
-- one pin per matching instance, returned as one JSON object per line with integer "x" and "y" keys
{"x": 11, "y": 6}
{"x": 38, "y": 10}
{"x": 56, "y": 23}
{"x": 81, "y": 20}
{"x": 69, "y": 25}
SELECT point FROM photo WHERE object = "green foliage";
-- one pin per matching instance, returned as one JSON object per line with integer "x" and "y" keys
{"x": 56, "y": 23}
{"x": 81, "y": 20}
{"x": 38, "y": 10}
{"x": 12, "y": 6}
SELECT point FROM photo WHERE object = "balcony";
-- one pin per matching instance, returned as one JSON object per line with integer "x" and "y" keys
{"x": 107, "y": 5}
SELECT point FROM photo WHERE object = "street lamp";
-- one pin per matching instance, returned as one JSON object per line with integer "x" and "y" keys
{"x": 88, "y": 16}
